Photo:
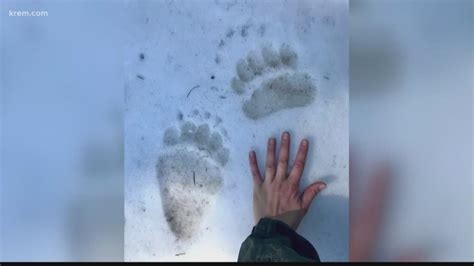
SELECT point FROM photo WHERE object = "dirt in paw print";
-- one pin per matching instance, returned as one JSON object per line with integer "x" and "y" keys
{"x": 273, "y": 82}
{"x": 189, "y": 173}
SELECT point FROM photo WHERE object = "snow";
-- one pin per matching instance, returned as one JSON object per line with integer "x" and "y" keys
{"x": 176, "y": 46}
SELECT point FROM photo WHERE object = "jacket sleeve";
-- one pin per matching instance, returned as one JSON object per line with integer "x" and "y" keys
{"x": 273, "y": 240}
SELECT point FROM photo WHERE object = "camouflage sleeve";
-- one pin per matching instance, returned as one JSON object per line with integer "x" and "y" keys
{"x": 272, "y": 240}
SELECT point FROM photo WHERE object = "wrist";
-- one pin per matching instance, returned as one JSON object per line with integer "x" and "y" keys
{"x": 291, "y": 218}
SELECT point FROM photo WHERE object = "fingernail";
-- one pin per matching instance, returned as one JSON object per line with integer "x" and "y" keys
{"x": 271, "y": 141}
{"x": 304, "y": 142}
{"x": 322, "y": 187}
{"x": 251, "y": 153}
{"x": 286, "y": 135}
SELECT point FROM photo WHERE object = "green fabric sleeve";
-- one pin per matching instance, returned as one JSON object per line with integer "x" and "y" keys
{"x": 273, "y": 240}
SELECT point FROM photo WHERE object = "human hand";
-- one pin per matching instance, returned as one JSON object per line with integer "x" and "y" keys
{"x": 277, "y": 195}
{"x": 367, "y": 216}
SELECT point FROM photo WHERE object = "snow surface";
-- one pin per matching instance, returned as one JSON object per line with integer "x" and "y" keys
{"x": 180, "y": 61}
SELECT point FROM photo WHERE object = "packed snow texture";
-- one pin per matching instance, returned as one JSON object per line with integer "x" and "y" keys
{"x": 207, "y": 81}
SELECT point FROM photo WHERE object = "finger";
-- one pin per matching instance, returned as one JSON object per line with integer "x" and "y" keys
{"x": 282, "y": 168}
{"x": 374, "y": 199}
{"x": 372, "y": 203}
{"x": 270, "y": 165}
{"x": 300, "y": 161}
{"x": 257, "y": 179}
{"x": 366, "y": 217}
{"x": 310, "y": 193}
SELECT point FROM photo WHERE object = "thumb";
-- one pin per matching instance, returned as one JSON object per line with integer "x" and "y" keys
{"x": 310, "y": 193}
